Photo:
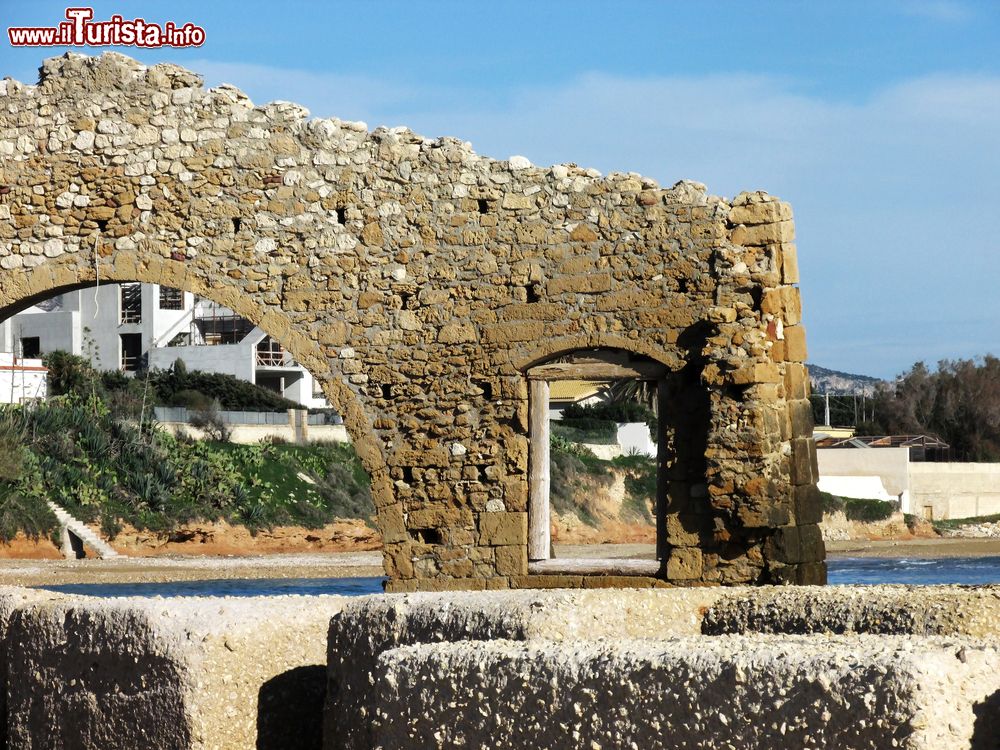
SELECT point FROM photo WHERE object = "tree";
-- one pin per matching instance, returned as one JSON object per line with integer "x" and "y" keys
{"x": 960, "y": 403}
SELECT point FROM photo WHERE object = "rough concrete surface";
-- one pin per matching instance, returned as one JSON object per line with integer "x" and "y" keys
{"x": 13, "y": 598}
{"x": 166, "y": 674}
{"x": 370, "y": 626}
{"x": 733, "y": 692}
{"x": 900, "y": 610}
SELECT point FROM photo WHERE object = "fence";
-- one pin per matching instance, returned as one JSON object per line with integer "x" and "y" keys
{"x": 182, "y": 415}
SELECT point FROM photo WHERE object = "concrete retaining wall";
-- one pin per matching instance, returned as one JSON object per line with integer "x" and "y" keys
{"x": 175, "y": 674}
{"x": 371, "y": 626}
{"x": 911, "y": 667}
{"x": 888, "y": 610}
{"x": 955, "y": 490}
{"x": 889, "y": 464}
{"x": 765, "y": 692}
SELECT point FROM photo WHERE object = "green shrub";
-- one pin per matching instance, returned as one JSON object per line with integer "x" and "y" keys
{"x": 176, "y": 386}
{"x": 594, "y": 431}
{"x": 867, "y": 511}
{"x": 640, "y": 486}
{"x": 830, "y": 503}
{"x": 613, "y": 411}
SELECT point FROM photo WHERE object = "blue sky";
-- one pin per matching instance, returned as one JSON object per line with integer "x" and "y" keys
{"x": 878, "y": 120}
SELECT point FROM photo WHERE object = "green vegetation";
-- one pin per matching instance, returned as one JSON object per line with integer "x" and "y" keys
{"x": 576, "y": 472}
{"x": 85, "y": 450}
{"x": 830, "y": 503}
{"x": 866, "y": 511}
{"x": 640, "y": 487}
{"x": 21, "y": 509}
{"x": 959, "y": 402}
{"x": 598, "y": 423}
{"x": 951, "y": 524}
{"x": 70, "y": 374}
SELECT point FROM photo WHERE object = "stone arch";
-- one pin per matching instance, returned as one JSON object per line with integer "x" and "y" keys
{"x": 421, "y": 277}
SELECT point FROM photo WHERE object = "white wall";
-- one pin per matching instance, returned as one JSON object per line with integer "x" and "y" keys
{"x": 955, "y": 490}
{"x": 253, "y": 433}
{"x": 863, "y": 487}
{"x": 889, "y": 464}
{"x": 228, "y": 359}
{"x": 21, "y": 379}
{"x": 56, "y": 331}
{"x": 633, "y": 437}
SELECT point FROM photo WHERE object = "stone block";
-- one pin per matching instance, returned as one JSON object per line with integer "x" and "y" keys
{"x": 789, "y": 263}
{"x": 808, "y": 505}
{"x": 795, "y": 344}
{"x": 844, "y": 692}
{"x": 503, "y": 528}
{"x": 175, "y": 674}
{"x": 760, "y": 213}
{"x": 763, "y": 234}
{"x": 684, "y": 564}
{"x": 796, "y": 544}
{"x": 796, "y": 381}
{"x": 588, "y": 283}
{"x": 371, "y": 626}
{"x": 13, "y": 599}
{"x": 803, "y": 461}
{"x": 757, "y": 372}
{"x": 801, "y": 414}
{"x": 512, "y": 560}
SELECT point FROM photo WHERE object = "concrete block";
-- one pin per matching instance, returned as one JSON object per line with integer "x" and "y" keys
{"x": 369, "y": 626}
{"x": 765, "y": 692}
{"x": 13, "y": 599}
{"x": 175, "y": 674}
{"x": 892, "y": 610}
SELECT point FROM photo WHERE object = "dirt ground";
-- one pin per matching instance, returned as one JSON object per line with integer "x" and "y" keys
{"x": 216, "y": 540}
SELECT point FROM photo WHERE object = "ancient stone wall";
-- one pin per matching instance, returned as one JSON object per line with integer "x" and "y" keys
{"x": 418, "y": 281}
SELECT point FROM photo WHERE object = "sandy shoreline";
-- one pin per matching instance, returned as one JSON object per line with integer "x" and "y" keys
{"x": 139, "y": 569}
{"x": 915, "y": 548}
{"x": 365, "y": 564}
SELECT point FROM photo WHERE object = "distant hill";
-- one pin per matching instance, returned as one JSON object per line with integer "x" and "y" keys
{"x": 836, "y": 382}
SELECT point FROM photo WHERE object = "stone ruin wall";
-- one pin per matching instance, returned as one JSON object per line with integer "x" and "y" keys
{"x": 417, "y": 281}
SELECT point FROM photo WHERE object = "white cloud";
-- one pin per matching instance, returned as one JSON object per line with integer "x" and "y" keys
{"x": 947, "y": 11}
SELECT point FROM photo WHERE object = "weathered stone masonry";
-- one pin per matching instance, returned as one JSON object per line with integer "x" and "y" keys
{"x": 419, "y": 281}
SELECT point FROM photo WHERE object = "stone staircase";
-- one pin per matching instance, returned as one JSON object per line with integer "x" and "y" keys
{"x": 71, "y": 527}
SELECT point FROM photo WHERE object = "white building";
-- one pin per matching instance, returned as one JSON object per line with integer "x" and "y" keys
{"x": 131, "y": 326}
{"x": 21, "y": 380}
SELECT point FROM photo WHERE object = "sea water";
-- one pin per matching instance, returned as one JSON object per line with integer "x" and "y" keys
{"x": 228, "y": 587}
{"x": 857, "y": 571}
{"x": 917, "y": 571}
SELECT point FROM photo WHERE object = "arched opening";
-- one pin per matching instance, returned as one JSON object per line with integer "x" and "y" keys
{"x": 599, "y": 403}
{"x": 143, "y": 339}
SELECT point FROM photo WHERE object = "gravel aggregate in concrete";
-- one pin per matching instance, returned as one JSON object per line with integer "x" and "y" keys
{"x": 731, "y": 692}
{"x": 900, "y": 610}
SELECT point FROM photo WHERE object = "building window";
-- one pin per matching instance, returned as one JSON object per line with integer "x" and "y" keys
{"x": 31, "y": 347}
{"x": 171, "y": 299}
{"x": 131, "y": 301}
{"x": 131, "y": 348}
